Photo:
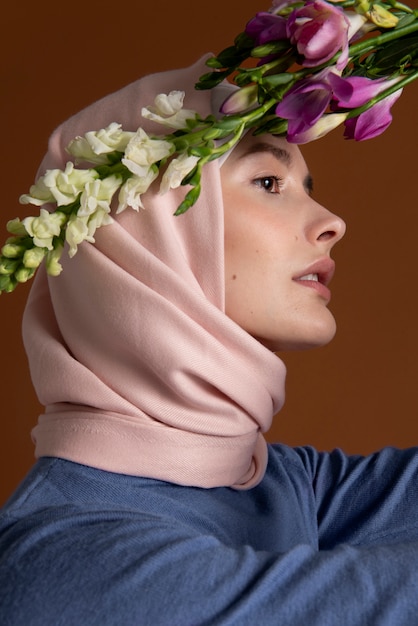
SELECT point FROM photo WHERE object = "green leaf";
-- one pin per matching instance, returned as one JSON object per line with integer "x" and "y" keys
{"x": 394, "y": 55}
{"x": 405, "y": 20}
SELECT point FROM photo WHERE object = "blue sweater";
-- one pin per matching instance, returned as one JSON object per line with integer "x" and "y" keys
{"x": 325, "y": 539}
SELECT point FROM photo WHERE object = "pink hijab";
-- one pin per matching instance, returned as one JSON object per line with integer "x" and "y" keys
{"x": 140, "y": 370}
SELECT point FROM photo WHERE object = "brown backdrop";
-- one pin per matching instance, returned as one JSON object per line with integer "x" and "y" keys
{"x": 359, "y": 393}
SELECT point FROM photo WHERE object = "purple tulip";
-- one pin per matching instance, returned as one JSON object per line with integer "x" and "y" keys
{"x": 319, "y": 30}
{"x": 265, "y": 27}
{"x": 305, "y": 103}
{"x": 355, "y": 91}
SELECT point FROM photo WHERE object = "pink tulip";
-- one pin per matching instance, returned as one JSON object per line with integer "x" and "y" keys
{"x": 319, "y": 30}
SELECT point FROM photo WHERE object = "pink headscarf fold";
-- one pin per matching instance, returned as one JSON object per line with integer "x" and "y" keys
{"x": 140, "y": 370}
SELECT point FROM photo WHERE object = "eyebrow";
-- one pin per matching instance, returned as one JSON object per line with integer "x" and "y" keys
{"x": 282, "y": 155}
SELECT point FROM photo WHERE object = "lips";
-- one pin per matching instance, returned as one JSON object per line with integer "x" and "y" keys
{"x": 317, "y": 276}
{"x": 321, "y": 271}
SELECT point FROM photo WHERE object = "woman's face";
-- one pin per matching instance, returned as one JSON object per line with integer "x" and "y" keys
{"x": 277, "y": 246}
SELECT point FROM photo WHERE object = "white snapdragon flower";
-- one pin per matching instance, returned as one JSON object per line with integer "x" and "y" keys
{"x": 142, "y": 151}
{"x": 98, "y": 195}
{"x": 100, "y": 217}
{"x": 96, "y": 145}
{"x": 83, "y": 228}
{"x": 44, "y": 228}
{"x": 77, "y": 231}
{"x": 177, "y": 169}
{"x": 38, "y": 195}
{"x": 168, "y": 110}
{"x": 133, "y": 188}
{"x": 60, "y": 186}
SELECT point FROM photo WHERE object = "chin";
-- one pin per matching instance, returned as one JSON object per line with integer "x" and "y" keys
{"x": 315, "y": 336}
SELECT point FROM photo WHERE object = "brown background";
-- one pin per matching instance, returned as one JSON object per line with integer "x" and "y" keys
{"x": 359, "y": 393}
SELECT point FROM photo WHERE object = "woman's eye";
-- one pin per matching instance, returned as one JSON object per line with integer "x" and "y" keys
{"x": 270, "y": 184}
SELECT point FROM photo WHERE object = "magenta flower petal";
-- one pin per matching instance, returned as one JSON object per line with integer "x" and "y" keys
{"x": 307, "y": 101}
{"x": 372, "y": 122}
{"x": 307, "y": 107}
{"x": 355, "y": 91}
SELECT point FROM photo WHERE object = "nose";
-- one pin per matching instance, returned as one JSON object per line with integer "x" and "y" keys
{"x": 330, "y": 228}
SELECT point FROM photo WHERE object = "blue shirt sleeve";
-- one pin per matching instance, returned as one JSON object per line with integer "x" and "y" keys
{"x": 364, "y": 501}
{"x": 74, "y": 551}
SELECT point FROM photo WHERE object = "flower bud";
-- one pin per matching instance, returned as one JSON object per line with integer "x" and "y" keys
{"x": 13, "y": 250}
{"x": 33, "y": 257}
{"x": 8, "y": 266}
{"x": 23, "y": 274}
{"x": 53, "y": 266}
{"x": 240, "y": 100}
{"x": 362, "y": 6}
{"x": 16, "y": 227}
{"x": 7, "y": 284}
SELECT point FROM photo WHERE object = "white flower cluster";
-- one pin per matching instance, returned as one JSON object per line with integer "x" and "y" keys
{"x": 78, "y": 199}
{"x": 142, "y": 158}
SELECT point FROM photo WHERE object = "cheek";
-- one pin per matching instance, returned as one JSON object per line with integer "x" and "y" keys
{"x": 252, "y": 280}
{"x": 244, "y": 255}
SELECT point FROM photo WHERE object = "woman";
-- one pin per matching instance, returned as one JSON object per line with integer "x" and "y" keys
{"x": 155, "y": 499}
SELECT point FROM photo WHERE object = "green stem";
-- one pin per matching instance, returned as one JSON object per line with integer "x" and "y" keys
{"x": 399, "y": 6}
{"x": 247, "y": 122}
{"x": 194, "y": 138}
{"x": 375, "y": 42}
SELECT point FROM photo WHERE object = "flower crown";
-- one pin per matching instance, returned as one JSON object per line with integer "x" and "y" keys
{"x": 301, "y": 69}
